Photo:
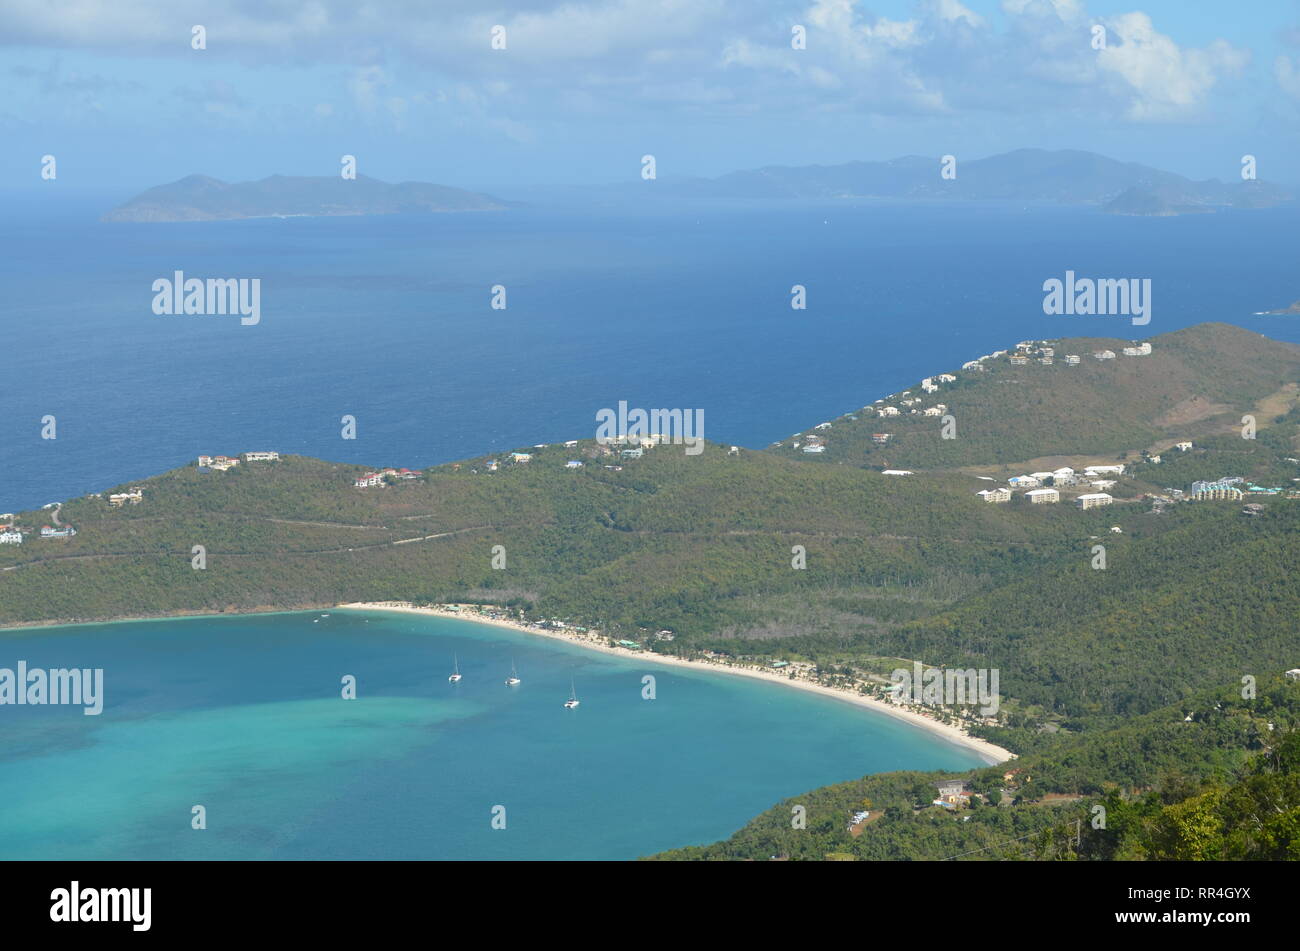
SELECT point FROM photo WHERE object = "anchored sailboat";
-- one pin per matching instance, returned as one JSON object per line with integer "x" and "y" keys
{"x": 513, "y": 679}
{"x": 573, "y": 698}
{"x": 455, "y": 677}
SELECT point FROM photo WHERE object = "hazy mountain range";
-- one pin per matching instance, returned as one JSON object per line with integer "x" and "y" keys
{"x": 1032, "y": 175}
{"x": 1067, "y": 177}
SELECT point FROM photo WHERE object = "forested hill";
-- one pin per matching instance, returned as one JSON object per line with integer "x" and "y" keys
{"x": 1194, "y": 383}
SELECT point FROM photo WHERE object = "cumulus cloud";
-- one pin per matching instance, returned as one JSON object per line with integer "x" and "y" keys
{"x": 697, "y": 55}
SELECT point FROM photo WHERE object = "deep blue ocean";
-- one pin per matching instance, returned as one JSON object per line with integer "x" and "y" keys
{"x": 388, "y": 319}
{"x": 244, "y": 716}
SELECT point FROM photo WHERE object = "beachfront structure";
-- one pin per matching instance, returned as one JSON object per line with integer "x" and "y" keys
{"x": 995, "y": 495}
{"x": 1092, "y": 500}
{"x": 135, "y": 497}
{"x": 898, "y": 472}
{"x": 1043, "y": 496}
{"x": 11, "y": 536}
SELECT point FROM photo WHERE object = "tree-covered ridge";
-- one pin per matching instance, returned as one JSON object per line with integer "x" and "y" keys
{"x": 1005, "y": 413}
{"x": 1219, "y": 782}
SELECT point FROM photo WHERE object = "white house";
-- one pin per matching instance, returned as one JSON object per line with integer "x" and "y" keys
{"x": 1102, "y": 484}
{"x": 897, "y": 472}
{"x": 995, "y": 495}
{"x": 1183, "y": 446}
{"x": 1022, "y": 482}
{"x": 947, "y": 378}
{"x": 11, "y": 537}
{"x": 1103, "y": 470}
{"x": 261, "y": 456}
{"x": 932, "y": 411}
{"x": 1093, "y": 500}
{"x": 573, "y": 464}
{"x": 1043, "y": 496}
{"x": 1072, "y": 359}
{"x": 1139, "y": 351}
{"x": 1105, "y": 354}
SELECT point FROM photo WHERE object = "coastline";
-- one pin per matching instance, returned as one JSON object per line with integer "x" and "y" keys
{"x": 991, "y": 753}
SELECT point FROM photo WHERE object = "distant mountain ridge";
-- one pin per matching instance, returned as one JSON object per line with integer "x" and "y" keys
{"x": 1065, "y": 176}
{"x": 201, "y": 198}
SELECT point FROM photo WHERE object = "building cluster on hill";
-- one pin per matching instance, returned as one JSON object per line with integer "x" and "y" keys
{"x": 1043, "y": 488}
{"x": 224, "y": 463}
{"x": 378, "y": 477}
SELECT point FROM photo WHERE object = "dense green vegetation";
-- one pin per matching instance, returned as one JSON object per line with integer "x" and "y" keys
{"x": 1225, "y": 784}
{"x": 914, "y": 567}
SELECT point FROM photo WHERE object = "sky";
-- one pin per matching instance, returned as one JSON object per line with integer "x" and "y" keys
{"x": 583, "y": 89}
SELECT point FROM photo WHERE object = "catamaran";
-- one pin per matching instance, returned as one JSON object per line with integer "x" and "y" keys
{"x": 513, "y": 679}
{"x": 456, "y": 673}
{"x": 573, "y": 698}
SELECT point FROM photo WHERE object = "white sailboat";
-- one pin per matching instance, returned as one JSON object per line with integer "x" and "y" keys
{"x": 513, "y": 679}
{"x": 573, "y": 698}
{"x": 455, "y": 677}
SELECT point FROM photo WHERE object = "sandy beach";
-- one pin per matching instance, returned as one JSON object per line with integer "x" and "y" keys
{"x": 989, "y": 752}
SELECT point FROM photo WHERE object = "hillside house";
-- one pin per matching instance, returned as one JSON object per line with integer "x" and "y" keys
{"x": 1183, "y": 446}
{"x": 135, "y": 497}
{"x": 995, "y": 495}
{"x": 897, "y": 472}
{"x": 48, "y": 531}
{"x": 1023, "y": 482}
{"x": 880, "y": 438}
{"x": 261, "y": 457}
{"x": 11, "y": 536}
{"x": 1104, "y": 355}
{"x": 1072, "y": 359}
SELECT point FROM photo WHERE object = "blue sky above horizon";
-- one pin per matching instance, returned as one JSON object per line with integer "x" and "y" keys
{"x": 586, "y": 87}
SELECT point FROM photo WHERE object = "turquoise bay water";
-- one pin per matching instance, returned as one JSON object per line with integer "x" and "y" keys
{"x": 243, "y": 715}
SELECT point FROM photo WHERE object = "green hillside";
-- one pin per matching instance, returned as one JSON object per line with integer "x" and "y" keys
{"x": 915, "y": 567}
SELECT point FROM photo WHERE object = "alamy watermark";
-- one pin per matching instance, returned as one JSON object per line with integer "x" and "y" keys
{"x": 676, "y": 426}
{"x": 936, "y": 686}
{"x": 38, "y": 687}
{"x": 229, "y": 295}
{"x": 1112, "y": 297}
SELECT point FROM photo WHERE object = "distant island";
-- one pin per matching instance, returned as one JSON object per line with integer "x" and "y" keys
{"x": 200, "y": 198}
{"x": 1292, "y": 309}
{"x": 1038, "y": 175}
